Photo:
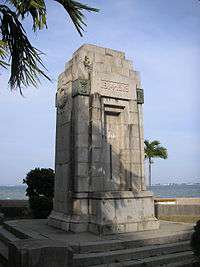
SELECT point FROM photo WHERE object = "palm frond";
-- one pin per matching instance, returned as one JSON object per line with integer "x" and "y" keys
{"x": 155, "y": 143}
{"x": 154, "y": 150}
{"x": 160, "y": 152}
{"x": 35, "y": 8}
{"x": 25, "y": 59}
{"x": 3, "y": 54}
{"x": 74, "y": 9}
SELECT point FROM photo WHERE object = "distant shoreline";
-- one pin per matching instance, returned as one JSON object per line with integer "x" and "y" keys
{"x": 160, "y": 191}
{"x": 170, "y": 184}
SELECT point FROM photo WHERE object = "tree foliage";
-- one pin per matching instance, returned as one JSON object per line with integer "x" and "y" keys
{"x": 16, "y": 50}
{"x": 40, "y": 190}
{"x": 154, "y": 150}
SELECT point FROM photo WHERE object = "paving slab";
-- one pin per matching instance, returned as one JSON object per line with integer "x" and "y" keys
{"x": 38, "y": 229}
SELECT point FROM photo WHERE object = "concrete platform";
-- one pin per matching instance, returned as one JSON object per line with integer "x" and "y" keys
{"x": 38, "y": 229}
{"x": 34, "y": 243}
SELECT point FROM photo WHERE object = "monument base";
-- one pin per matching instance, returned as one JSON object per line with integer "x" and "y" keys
{"x": 108, "y": 213}
{"x": 33, "y": 243}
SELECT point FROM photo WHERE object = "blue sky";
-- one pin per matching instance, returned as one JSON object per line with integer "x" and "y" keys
{"x": 163, "y": 41}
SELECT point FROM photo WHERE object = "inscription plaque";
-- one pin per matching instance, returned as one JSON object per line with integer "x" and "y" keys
{"x": 115, "y": 89}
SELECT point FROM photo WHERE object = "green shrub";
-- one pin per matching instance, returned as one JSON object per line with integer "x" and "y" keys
{"x": 40, "y": 190}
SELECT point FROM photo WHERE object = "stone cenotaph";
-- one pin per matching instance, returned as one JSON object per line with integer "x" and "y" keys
{"x": 99, "y": 165}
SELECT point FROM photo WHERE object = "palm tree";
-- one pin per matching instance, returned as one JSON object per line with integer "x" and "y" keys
{"x": 154, "y": 150}
{"x": 16, "y": 51}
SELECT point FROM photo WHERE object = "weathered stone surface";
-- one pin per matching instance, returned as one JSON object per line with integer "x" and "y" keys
{"x": 37, "y": 253}
{"x": 81, "y": 154}
{"x": 99, "y": 146}
{"x": 81, "y": 184}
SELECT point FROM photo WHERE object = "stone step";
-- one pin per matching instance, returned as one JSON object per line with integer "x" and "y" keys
{"x": 179, "y": 259}
{"x": 89, "y": 259}
{"x": 21, "y": 233}
{"x": 6, "y": 236}
{"x": 191, "y": 262}
{"x": 130, "y": 242}
{"x": 3, "y": 254}
{"x": 15, "y": 231}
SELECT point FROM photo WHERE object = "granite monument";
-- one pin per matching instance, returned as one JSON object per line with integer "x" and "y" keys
{"x": 99, "y": 164}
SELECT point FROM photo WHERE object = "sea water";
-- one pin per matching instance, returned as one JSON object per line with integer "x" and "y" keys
{"x": 13, "y": 192}
{"x": 173, "y": 190}
{"x": 176, "y": 190}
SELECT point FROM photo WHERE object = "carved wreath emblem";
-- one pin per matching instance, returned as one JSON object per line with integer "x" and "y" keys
{"x": 83, "y": 86}
{"x": 61, "y": 98}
